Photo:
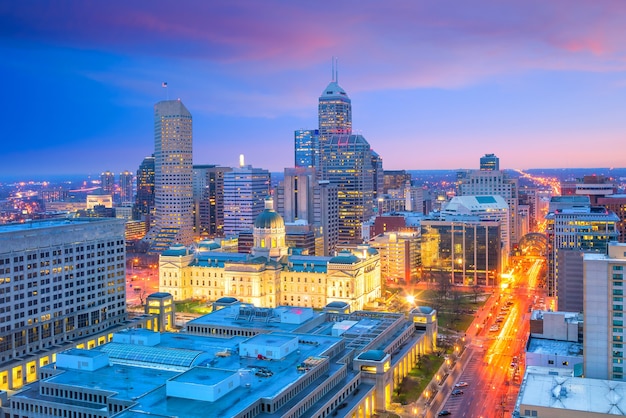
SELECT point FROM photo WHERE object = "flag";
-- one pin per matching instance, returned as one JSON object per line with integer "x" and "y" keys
{"x": 164, "y": 84}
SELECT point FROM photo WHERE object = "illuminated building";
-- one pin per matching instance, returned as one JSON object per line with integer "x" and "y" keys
{"x": 269, "y": 276}
{"x": 593, "y": 186}
{"x": 144, "y": 200}
{"x": 300, "y": 197}
{"x": 617, "y": 204}
{"x": 208, "y": 199}
{"x": 245, "y": 190}
{"x": 489, "y": 162}
{"x": 603, "y": 338}
{"x": 573, "y": 224}
{"x": 61, "y": 282}
{"x": 107, "y": 183}
{"x": 395, "y": 179}
{"x": 126, "y": 187}
{"x": 306, "y": 145}
{"x": 347, "y": 164}
{"x": 492, "y": 182}
{"x": 399, "y": 256}
{"x": 240, "y": 361}
{"x": 465, "y": 252}
{"x": 173, "y": 194}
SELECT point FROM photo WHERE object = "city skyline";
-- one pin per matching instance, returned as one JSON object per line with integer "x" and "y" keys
{"x": 524, "y": 80}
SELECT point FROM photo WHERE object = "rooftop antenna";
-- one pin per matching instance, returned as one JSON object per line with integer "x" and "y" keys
{"x": 336, "y": 70}
{"x": 332, "y": 69}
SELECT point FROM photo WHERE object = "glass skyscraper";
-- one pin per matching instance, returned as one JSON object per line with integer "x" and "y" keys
{"x": 306, "y": 144}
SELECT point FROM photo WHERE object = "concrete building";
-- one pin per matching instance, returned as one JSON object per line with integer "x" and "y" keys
{"x": 245, "y": 190}
{"x": 595, "y": 187}
{"x": 489, "y": 162}
{"x": 399, "y": 256}
{"x": 173, "y": 194}
{"x": 126, "y": 181}
{"x": 107, "y": 183}
{"x": 617, "y": 204}
{"x": 573, "y": 224}
{"x": 62, "y": 283}
{"x": 240, "y": 362}
{"x": 603, "y": 313}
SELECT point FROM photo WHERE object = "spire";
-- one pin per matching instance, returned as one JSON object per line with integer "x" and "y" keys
{"x": 334, "y": 70}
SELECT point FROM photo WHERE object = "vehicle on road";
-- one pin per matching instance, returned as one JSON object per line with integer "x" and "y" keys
{"x": 444, "y": 413}
{"x": 461, "y": 385}
{"x": 494, "y": 328}
{"x": 456, "y": 392}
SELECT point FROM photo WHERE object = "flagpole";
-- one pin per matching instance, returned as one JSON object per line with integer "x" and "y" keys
{"x": 167, "y": 92}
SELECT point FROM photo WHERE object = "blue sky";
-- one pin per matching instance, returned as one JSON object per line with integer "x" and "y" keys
{"x": 434, "y": 84}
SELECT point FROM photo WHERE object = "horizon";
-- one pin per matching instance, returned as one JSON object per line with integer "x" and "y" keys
{"x": 433, "y": 85}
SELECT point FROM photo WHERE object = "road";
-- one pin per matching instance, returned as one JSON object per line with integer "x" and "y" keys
{"x": 495, "y": 367}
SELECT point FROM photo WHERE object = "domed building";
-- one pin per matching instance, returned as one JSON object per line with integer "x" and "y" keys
{"x": 270, "y": 275}
{"x": 269, "y": 233}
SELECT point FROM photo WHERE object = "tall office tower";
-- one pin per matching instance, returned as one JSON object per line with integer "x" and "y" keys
{"x": 60, "y": 280}
{"x": 399, "y": 256}
{"x": 347, "y": 164}
{"x": 144, "y": 200}
{"x": 604, "y": 333}
{"x": 492, "y": 183}
{"x": 208, "y": 199}
{"x": 307, "y": 147}
{"x": 574, "y": 224}
{"x": 245, "y": 190}
{"x": 126, "y": 187}
{"x": 334, "y": 115}
{"x": 413, "y": 198}
{"x": 173, "y": 194}
{"x": 379, "y": 177}
{"x": 395, "y": 179}
{"x": 489, "y": 162}
{"x": 107, "y": 183}
{"x": 300, "y": 197}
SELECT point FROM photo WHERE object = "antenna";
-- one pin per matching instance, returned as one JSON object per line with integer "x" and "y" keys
{"x": 336, "y": 70}
{"x": 332, "y": 69}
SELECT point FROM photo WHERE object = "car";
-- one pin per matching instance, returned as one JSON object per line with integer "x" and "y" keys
{"x": 461, "y": 385}
{"x": 494, "y": 328}
{"x": 444, "y": 413}
{"x": 456, "y": 392}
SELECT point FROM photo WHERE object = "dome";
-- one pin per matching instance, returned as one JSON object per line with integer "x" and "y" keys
{"x": 345, "y": 257}
{"x": 269, "y": 218}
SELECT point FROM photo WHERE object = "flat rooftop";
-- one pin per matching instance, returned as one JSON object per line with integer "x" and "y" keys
{"x": 51, "y": 223}
{"x": 554, "y": 347}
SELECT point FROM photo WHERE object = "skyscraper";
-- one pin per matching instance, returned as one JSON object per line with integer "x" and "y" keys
{"x": 107, "y": 182}
{"x": 348, "y": 164}
{"x": 173, "y": 194}
{"x": 144, "y": 200}
{"x": 334, "y": 115}
{"x": 126, "y": 187}
{"x": 306, "y": 145}
{"x": 245, "y": 190}
{"x": 208, "y": 199}
{"x": 489, "y": 162}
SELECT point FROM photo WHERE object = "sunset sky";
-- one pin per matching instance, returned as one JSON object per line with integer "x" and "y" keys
{"x": 434, "y": 84}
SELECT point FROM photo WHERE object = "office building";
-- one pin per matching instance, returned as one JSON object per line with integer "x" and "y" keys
{"x": 399, "y": 256}
{"x": 126, "y": 188}
{"x": 489, "y": 162}
{"x": 245, "y": 190}
{"x": 61, "y": 281}
{"x": 144, "y": 200}
{"x": 107, "y": 183}
{"x": 395, "y": 179}
{"x": 464, "y": 252}
{"x": 594, "y": 187}
{"x": 573, "y": 224}
{"x": 173, "y": 194}
{"x": 347, "y": 164}
{"x": 617, "y": 204}
{"x": 492, "y": 182}
{"x": 239, "y": 361}
{"x": 603, "y": 335}
{"x": 208, "y": 199}
{"x": 307, "y": 148}
{"x": 300, "y": 197}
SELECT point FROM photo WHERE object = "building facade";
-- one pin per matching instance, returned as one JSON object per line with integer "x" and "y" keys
{"x": 144, "y": 199}
{"x": 208, "y": 200}
{"x": 245, "y": 190}
{"x": 173, "y": 194}
{"x": 307, "y": 148}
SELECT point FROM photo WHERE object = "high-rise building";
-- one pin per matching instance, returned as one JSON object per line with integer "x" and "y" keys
{"x": 347, "y": 163}
{"x": 173, "y": 194}
{"x": 334, "y": 115}
{"x": 492, "y": 183}
{"x": 604, "y": 332}
{"x": 379, "y": 178}
{"x": 144, "y": 200}
{"x": 245, "y": 190}
{"x": 617, "y": 204}
{"x": 300, "y": 197}
{"x": 489, "y": 162}
{"x": 307, "y": 147}
{"x": 208, "y": 199}
{"x": 60, "y": 281}
{"x": 395, "y": 179}
{"x": 573, "y": 223}
{"x": 126, "y": 187}
{"x": 107, "y": 183}
{"x": 399, "y": 256}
